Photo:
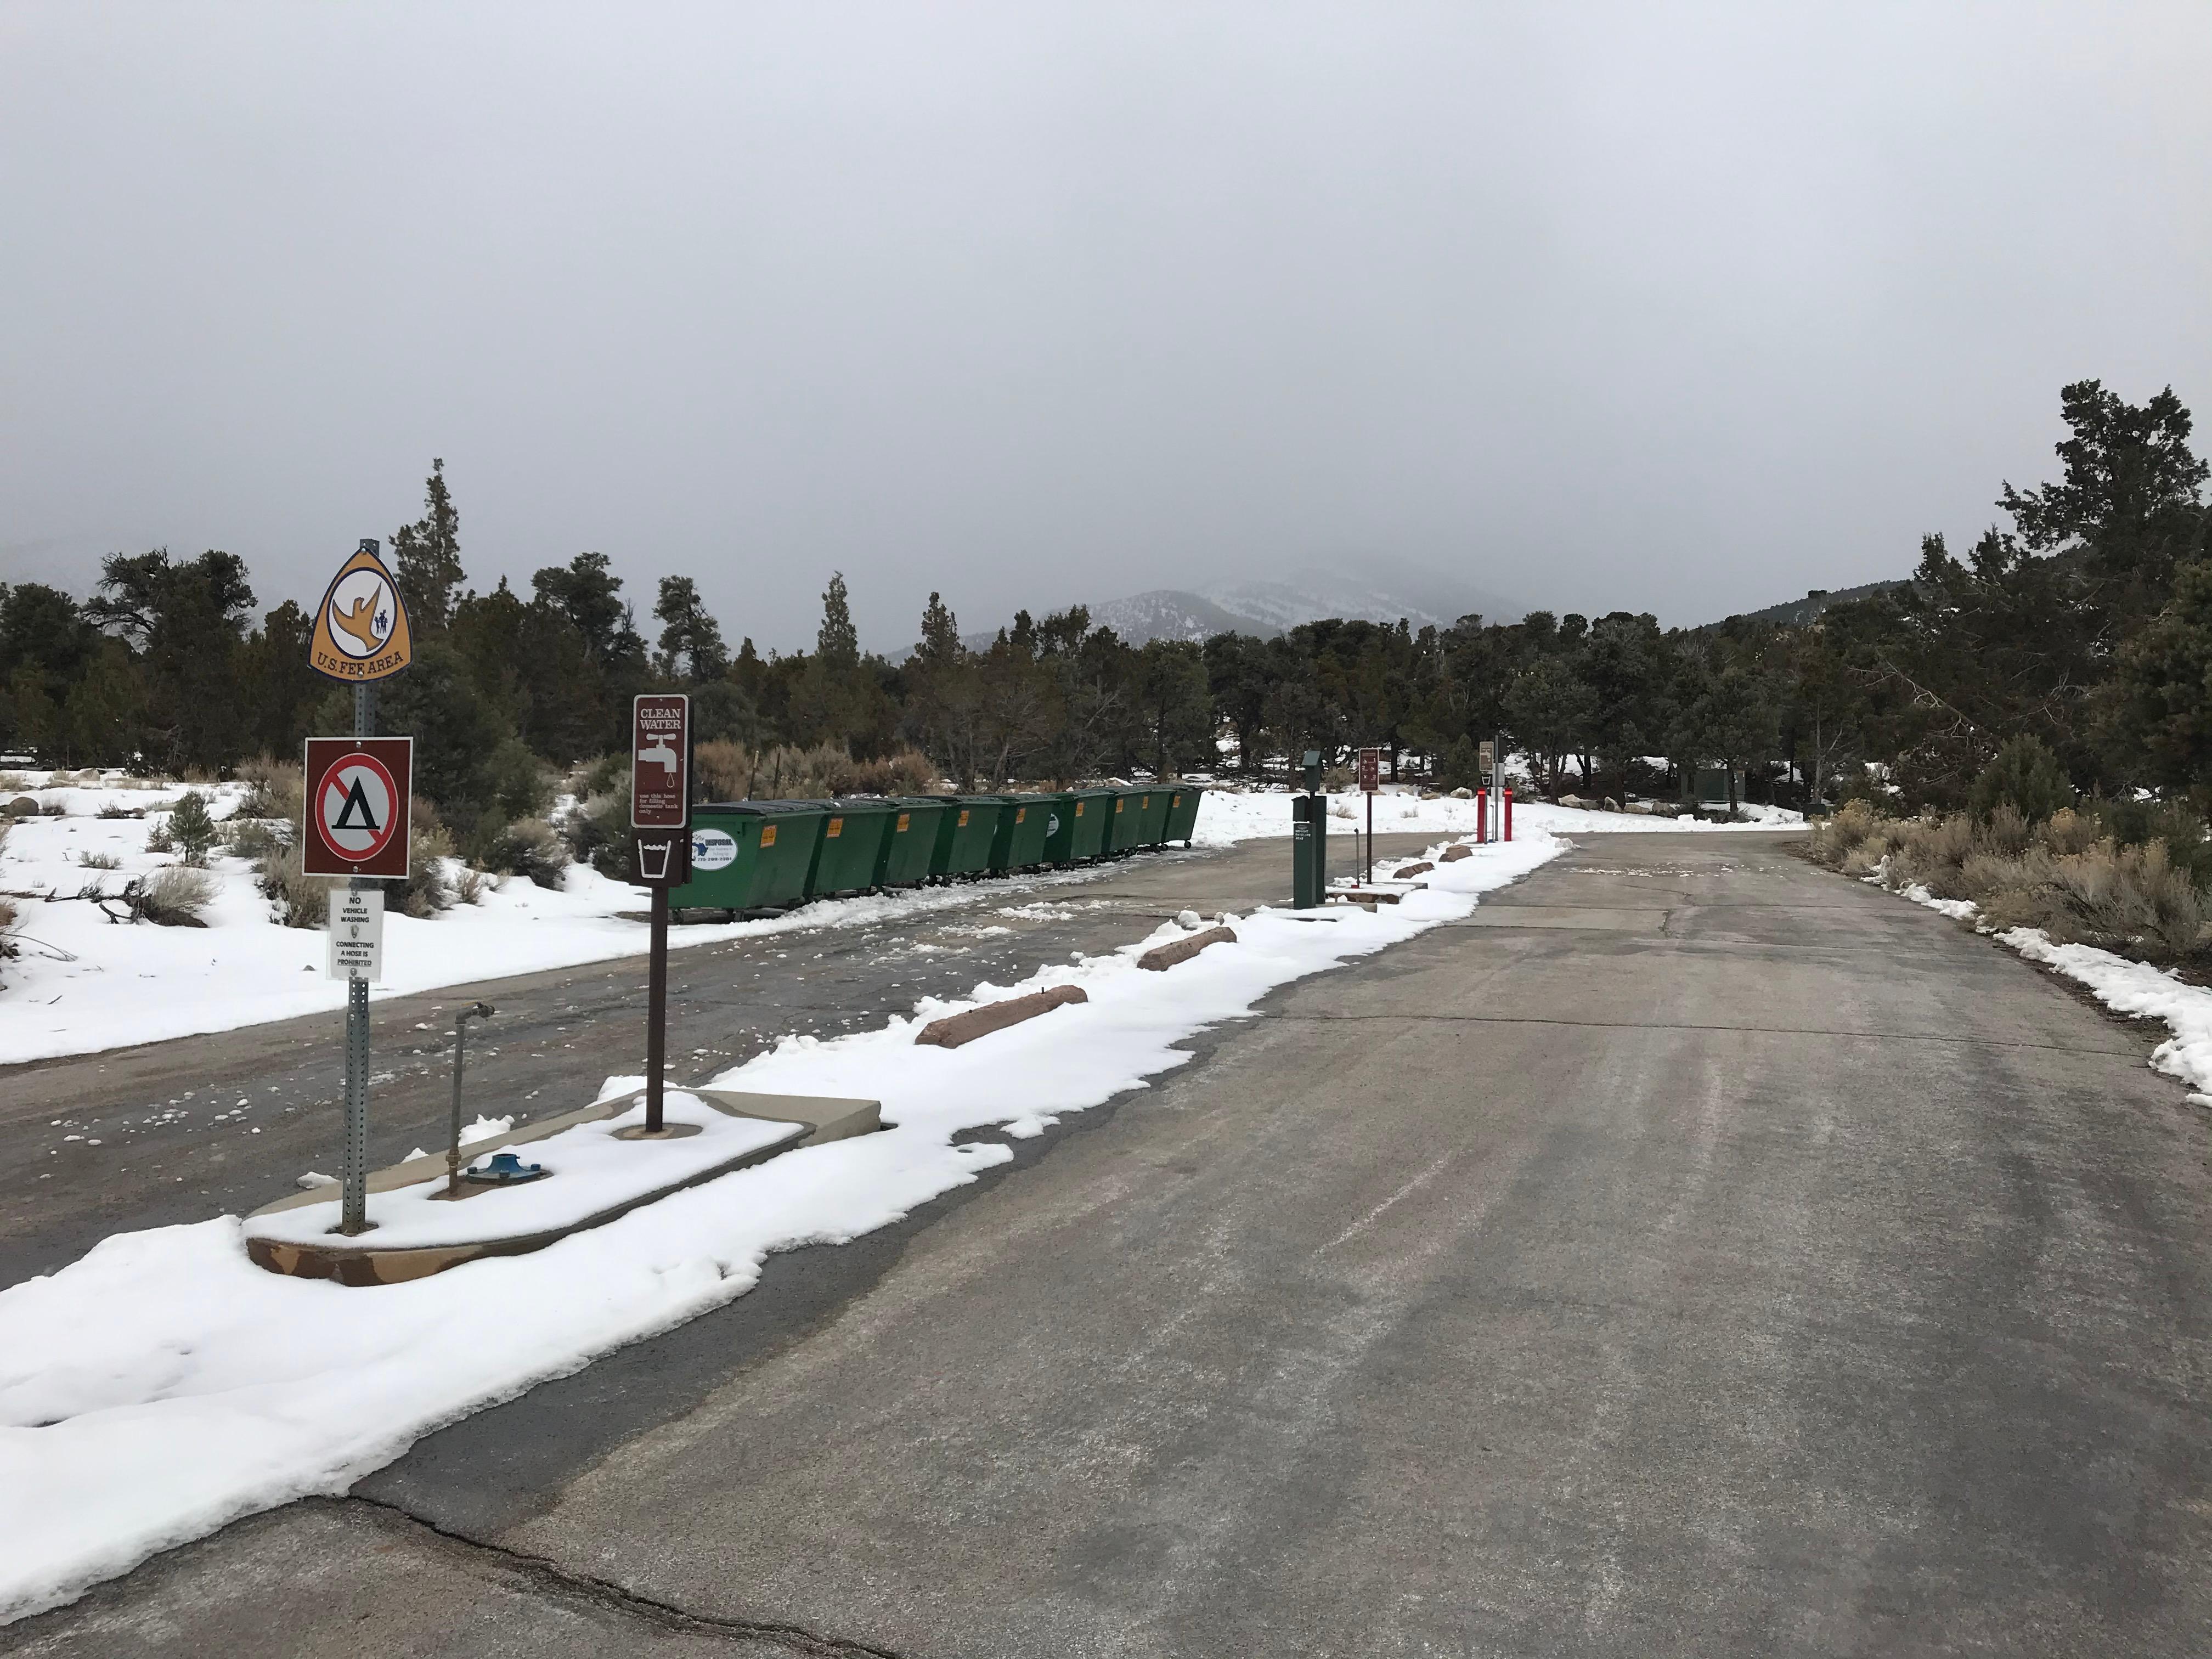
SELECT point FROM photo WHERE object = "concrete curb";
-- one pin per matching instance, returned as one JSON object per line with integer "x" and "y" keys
{"x": 1164, "y": 957}
{"x": 955, "y": 1029}
{"x": 813, "y": 1119}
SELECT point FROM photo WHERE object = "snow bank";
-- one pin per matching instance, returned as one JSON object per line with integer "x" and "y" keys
{"x": 1227, "y": 816}
{"x": 161, "y": 1386}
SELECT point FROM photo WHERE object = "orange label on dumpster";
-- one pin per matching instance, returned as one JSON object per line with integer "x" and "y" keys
{"x": 902, "y": 823}
{"x": 1079, "y": 809}
{"x": 963, "y": 818}
{"x": 1145, "y": 803}
{"x": 1175, "y": 801}
{"x": 1020, "y": 813}
{"x": 836, "y": 828}
{"x": 768, "y": 834}
{"x": 1118, "y": 804}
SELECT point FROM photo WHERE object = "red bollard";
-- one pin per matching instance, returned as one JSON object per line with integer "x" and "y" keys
{"x": 1508, "y": 812}
{"x": 1482, "y": 817}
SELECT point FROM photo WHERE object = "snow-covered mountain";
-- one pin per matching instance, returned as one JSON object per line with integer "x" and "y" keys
{"x": 1376, "y": 589}
{"x": 1380, "y": 590}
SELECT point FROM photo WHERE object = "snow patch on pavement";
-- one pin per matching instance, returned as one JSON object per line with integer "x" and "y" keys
{"x": 161, "y": 1385}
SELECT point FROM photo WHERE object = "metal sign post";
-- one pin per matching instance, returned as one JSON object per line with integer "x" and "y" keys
{"x": 1497, "y": 784}
{"x": 357, "y": 820}
{"x": 660, "y": 814}
{"x": 1371, "y": 780}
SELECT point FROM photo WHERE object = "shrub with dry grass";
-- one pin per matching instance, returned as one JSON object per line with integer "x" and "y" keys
{"x": 173, "y": 897}
{"x": 275, "y": 789}
{"x": 2064, "y": 875}
{"x": 529, "y": 847}
{"x": 728, "y": 771}
{"x": 297, "y": 899}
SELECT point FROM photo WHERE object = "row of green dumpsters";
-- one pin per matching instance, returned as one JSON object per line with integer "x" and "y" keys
{"x": 764, "y": 855}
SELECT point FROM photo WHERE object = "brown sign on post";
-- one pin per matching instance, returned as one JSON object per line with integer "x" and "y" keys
{"x": 661, "y": 761}
{"x": 357, "y": 801}
{"x": 1486, "y": 759}
{"x": 1370, "y": 769}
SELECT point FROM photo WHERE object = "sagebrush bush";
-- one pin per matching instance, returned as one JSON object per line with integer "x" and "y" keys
{"x": 2061, "y": 875}
{"x": 275, "y": 789}
{"x": 728, "y": 771}
{"x": 173, "y": 897}
{"x": 249, "y": 838}
{"x": 529, "y": 848}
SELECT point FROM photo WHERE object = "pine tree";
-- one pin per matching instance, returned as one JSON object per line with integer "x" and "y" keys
{"x": 691, "y": 641}
{"x": 426, "y": 557}
{"x": 837, "y": 643}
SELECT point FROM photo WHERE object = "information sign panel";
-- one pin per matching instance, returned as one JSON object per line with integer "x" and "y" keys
{"x": 661, "y": 761}
{"x": 357, "y": 806}
{"x": 1370, "y": 769}
{"x": 356, "y": 933}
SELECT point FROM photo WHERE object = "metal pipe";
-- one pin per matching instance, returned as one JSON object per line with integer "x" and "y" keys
{"x": 474, "y": 1011}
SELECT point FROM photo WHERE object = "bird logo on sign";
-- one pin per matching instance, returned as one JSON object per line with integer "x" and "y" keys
{"x": 361, "y": 613}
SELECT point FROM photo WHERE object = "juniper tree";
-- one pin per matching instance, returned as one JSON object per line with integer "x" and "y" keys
{"x": 426, "y": 557}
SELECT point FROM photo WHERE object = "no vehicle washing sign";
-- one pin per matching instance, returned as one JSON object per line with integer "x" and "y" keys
{"x": 356, "y": 808}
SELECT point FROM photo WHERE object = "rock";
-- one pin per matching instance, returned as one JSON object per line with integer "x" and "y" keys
{"x": 1412, "y": 870}
{"x": 1611, "y": 805}
{"x": 1462, "y": 794}
{"x": 22, "y": 807}
{"x": 1643, "y": 806}
{"x": 1191, "y": 920}
{"x": 1575, "y": 801}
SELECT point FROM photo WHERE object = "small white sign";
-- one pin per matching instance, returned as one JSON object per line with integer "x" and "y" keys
{"x": 356, "y": 933}
{"x": 712, "y": 849}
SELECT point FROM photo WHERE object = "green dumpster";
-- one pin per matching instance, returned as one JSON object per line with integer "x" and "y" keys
{"x": 1024, "y": 828}
{"x": 1128, "y": 820}
{"x": 1060, "y": 827}
{"x": 912, "y": 843}
{"x": 1087, "y": 823}
{"x": 1153, "y": 802}
{"x": 750, "y": 854}
{"x": 1182, "y": 811}
{"x": 964, "y": 835}
{"x": 852, "y": 845}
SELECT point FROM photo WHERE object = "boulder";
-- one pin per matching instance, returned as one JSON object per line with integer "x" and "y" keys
{"x": 21, "y": 807}
{"x": 1462, "y": 794}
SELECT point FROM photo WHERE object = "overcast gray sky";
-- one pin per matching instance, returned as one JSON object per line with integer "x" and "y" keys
{"x": 1676, "y": 307}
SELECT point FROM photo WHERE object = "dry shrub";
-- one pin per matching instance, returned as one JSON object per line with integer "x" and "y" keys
{"x": 723, "y": 768}
{"x": 275, "y": 789}
{"x": 296, "y": 898}
{"x": 249, "y": 838}
{"x": 2070, "y": 832}
{"x": 787, "y": 773}
{"x": 13, "y": 782}
{"x": 2134, "y": 899}
{"x": 173, "y": 897}
{"x": 530, "y": 848}
{"x": 100, "y": 861}
{"x": 1932, "y": 853}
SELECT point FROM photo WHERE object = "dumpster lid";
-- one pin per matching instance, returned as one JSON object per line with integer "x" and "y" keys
{"x": 765, "y": 808}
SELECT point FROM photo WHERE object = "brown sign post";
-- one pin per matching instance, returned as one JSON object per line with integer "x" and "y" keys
{"x": 1371, "y": 780}
{"x": 660, "y": 816}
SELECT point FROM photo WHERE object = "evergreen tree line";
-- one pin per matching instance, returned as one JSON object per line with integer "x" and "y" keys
{"x": 2086, "y": 626}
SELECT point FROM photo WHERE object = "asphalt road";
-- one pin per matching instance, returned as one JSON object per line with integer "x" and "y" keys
{"x": 1693, "y": 1254}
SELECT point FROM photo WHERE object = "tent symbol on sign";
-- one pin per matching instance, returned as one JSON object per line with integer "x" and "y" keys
{"x": 356, "y": 800}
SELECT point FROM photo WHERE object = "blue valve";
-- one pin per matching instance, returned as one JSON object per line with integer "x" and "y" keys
{"x": 507, "y": 1170}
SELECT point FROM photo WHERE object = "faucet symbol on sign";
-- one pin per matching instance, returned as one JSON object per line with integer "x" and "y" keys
{"x": 660, "y": 752}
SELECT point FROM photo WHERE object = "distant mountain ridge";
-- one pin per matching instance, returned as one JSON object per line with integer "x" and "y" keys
{"x": 1384, "y": 591}
{"x": 1796, "y": 613}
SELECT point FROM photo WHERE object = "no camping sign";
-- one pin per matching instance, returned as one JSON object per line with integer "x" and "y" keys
{"x": 357, "y": 791}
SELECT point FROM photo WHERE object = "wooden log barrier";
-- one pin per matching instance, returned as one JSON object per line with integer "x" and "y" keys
{"x": 955, "y": 1029}
{"x": 1162, "y": 958}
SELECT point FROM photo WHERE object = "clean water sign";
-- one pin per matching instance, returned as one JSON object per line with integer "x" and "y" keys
{"x": 712, "y": 849}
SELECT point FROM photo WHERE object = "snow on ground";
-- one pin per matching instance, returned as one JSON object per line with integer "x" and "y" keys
{"x": 1227, "y": 816}
{"x": 161, "y": 1385}
{"x": 2135, "y": 988}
